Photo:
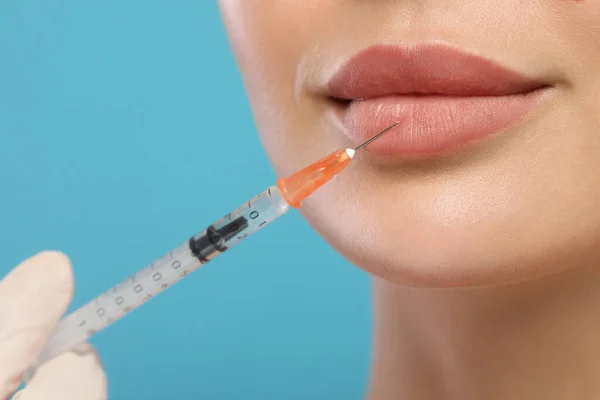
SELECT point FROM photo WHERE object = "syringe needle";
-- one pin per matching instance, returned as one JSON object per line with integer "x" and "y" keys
{"x": 377, "y": 136}
{"x": 306, "y": 181}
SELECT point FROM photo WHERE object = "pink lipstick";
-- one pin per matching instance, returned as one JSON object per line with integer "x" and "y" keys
{"x": 442, "y": 96}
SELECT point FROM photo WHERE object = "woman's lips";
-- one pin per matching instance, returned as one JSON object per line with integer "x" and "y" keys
{"x": 443, "y": 97}
{"x": 432, "y": 123}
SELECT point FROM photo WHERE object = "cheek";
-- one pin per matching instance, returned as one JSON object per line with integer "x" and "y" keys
{"x": 571, "y": 34}
{"x": 270, "y": 38}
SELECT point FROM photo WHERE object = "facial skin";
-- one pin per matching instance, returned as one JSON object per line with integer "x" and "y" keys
{"x": 516, "y": 206}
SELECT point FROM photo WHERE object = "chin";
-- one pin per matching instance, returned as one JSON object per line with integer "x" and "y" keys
{"x": 447, "y": 260}
{"x": 439, "y": 233}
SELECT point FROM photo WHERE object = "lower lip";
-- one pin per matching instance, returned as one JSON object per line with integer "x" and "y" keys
{"x": 430, "y": 124}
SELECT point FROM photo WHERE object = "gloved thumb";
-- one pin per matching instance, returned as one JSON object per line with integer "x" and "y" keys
{"x": 33, "y": 298}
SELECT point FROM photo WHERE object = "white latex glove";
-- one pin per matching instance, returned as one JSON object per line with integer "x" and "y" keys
{"x": 33, "y": 298}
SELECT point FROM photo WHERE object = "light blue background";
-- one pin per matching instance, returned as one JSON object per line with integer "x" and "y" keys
{"x": 111, "y": 114}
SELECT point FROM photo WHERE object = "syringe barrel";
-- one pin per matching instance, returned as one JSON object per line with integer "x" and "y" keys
{"x": 239, "y": 224}
{"x": 150, "y": 281}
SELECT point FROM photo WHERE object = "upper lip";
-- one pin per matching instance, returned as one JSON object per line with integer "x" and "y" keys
{"x": 424, "y": 69}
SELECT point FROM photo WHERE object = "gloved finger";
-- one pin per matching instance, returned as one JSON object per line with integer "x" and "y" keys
{"x": 74, "y": 375}
{"x": 33, "y": 297}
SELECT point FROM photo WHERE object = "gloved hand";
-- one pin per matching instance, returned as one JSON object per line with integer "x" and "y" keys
{"x": 33, "y": 298}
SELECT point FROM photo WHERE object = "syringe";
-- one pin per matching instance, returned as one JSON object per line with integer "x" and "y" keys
{"x": 150, "y": 281}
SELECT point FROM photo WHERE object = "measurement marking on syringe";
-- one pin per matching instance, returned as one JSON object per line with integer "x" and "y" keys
{"x": 164, "y": 272}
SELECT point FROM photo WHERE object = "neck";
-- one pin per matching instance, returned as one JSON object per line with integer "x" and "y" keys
{"x": 534, "y": 340}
